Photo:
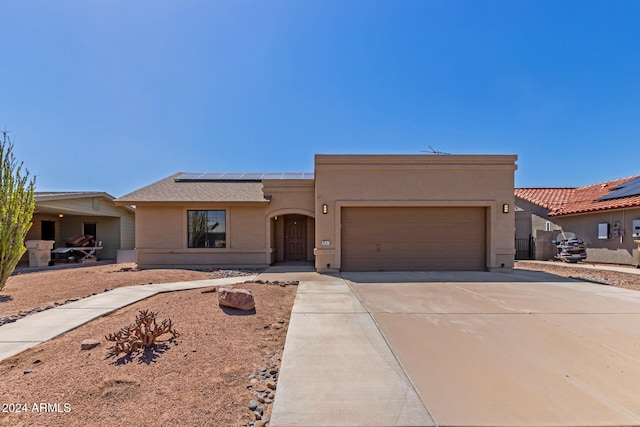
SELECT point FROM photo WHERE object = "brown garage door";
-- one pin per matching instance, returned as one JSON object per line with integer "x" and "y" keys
{"x": 408, "y": 238}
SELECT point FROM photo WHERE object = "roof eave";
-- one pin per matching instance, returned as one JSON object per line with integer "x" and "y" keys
{"x": 120, "y": 202}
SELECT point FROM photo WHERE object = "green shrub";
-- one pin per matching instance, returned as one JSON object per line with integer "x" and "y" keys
{"x": 16, "y": 209}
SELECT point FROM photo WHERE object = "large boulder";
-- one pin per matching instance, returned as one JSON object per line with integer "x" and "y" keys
{"x": 242, "y": 299}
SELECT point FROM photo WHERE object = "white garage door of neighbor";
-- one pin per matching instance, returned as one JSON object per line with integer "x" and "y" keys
{"x": 413, "y": 238}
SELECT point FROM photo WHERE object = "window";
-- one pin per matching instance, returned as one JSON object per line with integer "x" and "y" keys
{"x": 48, "y": 229}
{"x": 207, "y": 229}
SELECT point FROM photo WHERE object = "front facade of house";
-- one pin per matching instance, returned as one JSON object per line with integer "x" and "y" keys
{"x": 61, "y": 215}
{"x": 354, "y": 213}
{"x": 605, "y": 215}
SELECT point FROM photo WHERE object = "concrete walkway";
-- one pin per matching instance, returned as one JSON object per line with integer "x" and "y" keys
{"x": 37, "y": 328}
{"x": 337, "y": 369}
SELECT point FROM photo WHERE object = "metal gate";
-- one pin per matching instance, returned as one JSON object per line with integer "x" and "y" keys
{"x": 525, "y": 248}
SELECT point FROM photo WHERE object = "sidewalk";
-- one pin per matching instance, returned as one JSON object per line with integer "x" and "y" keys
{"x": 37, "y": 328}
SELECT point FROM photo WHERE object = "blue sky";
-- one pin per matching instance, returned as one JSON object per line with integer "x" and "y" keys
{"x": 113, "y": 95}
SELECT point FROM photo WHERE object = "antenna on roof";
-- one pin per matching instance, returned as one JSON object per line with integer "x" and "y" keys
{"x": 433, "y": 151}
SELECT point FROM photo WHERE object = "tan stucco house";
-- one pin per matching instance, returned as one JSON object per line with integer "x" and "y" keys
{"x": 605, "y": 215}
{"x": 354, "y": 212}
{"x": 63, "y": 214}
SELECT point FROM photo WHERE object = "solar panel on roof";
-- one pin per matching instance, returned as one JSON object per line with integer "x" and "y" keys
{"x": 189, "y": 176}
{"x": 627, "y": 189}
{"x": 242, "y": 176}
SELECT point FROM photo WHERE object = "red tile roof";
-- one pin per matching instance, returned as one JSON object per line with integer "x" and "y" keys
{"x": 549, "y": 198}
{"x": 567, "y": 201}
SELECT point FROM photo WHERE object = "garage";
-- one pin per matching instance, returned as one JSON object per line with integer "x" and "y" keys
{"x": 413, "y": 238}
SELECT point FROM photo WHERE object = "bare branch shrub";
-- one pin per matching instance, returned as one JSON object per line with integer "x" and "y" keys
{"x": 142, "y": 334}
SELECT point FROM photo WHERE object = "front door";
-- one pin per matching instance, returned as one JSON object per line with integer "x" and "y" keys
{"x": 295, "y": 237}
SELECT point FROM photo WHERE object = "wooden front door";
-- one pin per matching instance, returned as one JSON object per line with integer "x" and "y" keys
{"x": 295, "y": 237}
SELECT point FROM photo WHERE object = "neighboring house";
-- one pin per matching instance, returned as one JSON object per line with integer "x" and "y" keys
{"x": 355, "y": 212}
{"x": 61, "y": 215}
{"x": 601, "y": 214}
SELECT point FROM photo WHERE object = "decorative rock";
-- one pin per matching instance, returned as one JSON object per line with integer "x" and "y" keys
{"x": 271, "y": 385}
{"x": 241, "y": 299}
{"x": 253, "y": 381}
{"x": 253, "y": 405}
{"x": 261, "y": 423}
{"x": 257, "y": 414}
{"x": 89, "y": 344}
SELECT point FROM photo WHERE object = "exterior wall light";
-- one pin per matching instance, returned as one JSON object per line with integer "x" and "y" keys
{"x": 60, "y": 216}
{"x": 505, "y": 208}
{"x": 325, "y": 209}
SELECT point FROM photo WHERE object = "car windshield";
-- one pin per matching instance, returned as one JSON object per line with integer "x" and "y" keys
{"x": 566, "y": 236}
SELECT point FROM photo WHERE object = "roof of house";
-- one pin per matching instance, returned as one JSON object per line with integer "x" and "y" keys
{"x": 171, "y": 189}
{"x": 548, "y": 198}
{"x": 242, "y": 176}
{"x": 568, "y": 201}
{"x": 42, "y": 196}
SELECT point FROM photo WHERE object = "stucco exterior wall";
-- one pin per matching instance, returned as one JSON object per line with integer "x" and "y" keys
{"x": 415, "y": 180}
{"x": 290, "y": 196}
{"x": 160, "y": 227}
{"x": 613, "y": 250}
{"x": 532, "y": 218}
{"x": 127, "y": 232}
{"x": 162, "y": 237}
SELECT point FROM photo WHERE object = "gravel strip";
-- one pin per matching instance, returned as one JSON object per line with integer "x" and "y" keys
{"x": 604, "y": 277}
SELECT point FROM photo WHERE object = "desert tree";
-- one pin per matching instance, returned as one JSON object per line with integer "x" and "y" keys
{"x": 16, "y": 208}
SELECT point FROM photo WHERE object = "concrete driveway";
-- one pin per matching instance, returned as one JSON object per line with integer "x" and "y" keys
{"x": 477, "y": 349}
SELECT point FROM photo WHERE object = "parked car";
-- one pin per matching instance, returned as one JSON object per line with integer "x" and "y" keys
{"x": 570, "y": 247}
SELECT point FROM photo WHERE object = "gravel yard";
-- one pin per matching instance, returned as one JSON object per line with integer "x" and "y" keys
{"x": 605, "y": 277}
{"x": 221, "y": 370}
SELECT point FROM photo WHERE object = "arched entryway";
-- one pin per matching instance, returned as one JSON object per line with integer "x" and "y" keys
{"x": 292, "y": 237}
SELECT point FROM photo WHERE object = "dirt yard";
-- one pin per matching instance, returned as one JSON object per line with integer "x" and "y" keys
{"x": 203, "y": 378}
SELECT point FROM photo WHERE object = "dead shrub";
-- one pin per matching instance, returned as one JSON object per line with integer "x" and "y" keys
{"x": 142, "y": 334}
